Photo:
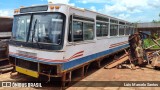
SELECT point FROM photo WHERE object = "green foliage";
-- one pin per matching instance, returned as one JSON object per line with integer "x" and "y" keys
{"x": 156, "y": 21}
{"x": 149, "y": 42}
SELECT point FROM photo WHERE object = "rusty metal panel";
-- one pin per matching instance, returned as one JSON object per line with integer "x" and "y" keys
{"x": 3, "y": 49}
{"x": 6, "y": 24}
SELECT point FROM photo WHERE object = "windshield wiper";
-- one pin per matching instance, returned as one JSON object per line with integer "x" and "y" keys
{"x": 33, "y": 34}
{"x": 34, "y": 30}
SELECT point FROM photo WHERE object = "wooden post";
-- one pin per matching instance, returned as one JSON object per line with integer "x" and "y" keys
{"x": 99, "y": 64}
{"x": 82, "y": 72}
{"x": 63, "y": 80}
{"x": 70, "y": 76}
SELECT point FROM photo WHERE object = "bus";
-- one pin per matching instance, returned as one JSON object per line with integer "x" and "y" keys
{"x": 58, "y": 40}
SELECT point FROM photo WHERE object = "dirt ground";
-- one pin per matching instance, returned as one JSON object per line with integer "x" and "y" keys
{"x": 144, "y": 74}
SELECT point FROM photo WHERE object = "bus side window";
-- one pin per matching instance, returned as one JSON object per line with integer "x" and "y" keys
{"x": 80, "y": 30}
{"x": 77, "y": 31}
{"x": 121, "y": 30}
{"x": 88, "y": 31}
{"x": 113, "y": 30}
{"x": 98, "y": 30}
{"x": 102, "y": 29}
{"x": 127, "y": 30}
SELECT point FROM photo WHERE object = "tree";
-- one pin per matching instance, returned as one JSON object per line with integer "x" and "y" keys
{"x": 156, "y": 21}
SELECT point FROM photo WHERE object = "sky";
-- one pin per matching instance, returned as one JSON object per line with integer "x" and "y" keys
{"x": 130, "y": 10}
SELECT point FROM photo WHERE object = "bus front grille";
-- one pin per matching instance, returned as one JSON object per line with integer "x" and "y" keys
{"x": 27, "y": 64}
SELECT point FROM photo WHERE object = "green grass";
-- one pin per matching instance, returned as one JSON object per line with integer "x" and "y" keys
{"x": 150, "y": 42}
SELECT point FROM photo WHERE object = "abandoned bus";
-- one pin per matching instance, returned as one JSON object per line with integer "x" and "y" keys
{"x": 58, "y": 40}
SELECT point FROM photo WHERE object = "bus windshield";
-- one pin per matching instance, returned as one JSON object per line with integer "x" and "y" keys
{"x": 43, "y": 28}
{"x": 21, "y": 27}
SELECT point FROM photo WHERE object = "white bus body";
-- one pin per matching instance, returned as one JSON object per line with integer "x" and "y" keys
{"x": 81, "y": 40}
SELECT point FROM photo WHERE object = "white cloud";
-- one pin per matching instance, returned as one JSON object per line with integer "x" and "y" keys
{"x": 93, "y": 8}
{"x": 114, "y": 9}
{"x": 126, "y": 9}
{"x": 92, "y": 1}
{"x": 6, "y": 12}
{"x": 132, "y": 3}
{"x": 154, "y": 3}
{"x": 139, "y": 19}
{"x": 59, "y": 1}
{"x": 62, "y": 1}
{"x": 124, "y": 16}
{"x": 72, "y": 4}
{"x": 129, "y": 6}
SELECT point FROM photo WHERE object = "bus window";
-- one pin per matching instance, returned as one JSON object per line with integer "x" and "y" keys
{"x": 21, "y": 27}
{"x": 113, "y": 30}
{"x": 127, "y": 30}
{"x": 102, "y": 29}
{"x": 121, "y": 30}
{"x": 77, "y": 31}
{"x": 88, "y": 31}
{"x": 98, "y": 29}
{"x": 83, "y": 29}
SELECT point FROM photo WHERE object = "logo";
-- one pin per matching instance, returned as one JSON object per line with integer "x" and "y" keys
{"x": 18, "y": 84}
{"x": 6, "y": 84}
